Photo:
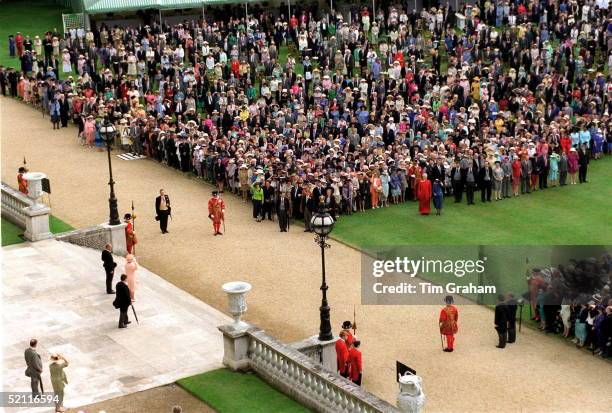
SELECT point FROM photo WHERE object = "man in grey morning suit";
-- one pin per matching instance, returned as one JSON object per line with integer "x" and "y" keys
{"x": 35, "y": 367}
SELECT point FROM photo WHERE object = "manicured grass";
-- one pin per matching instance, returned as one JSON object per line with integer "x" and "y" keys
{"x": 12, "y": 234}
{"x": 58, "y": 226}
{"x": 231, "y": 392}
{"x": 571, "y": 215}
{"x": 31, "y": 18}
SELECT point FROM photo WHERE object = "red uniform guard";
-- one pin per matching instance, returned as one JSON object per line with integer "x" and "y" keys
{"x": 21, "y": 181}
{"x": 355, "y": 363}
{"x": 216, "y": 212}
{"x": 130, "y": 235}
{"x": 342, "y": 355}
{"x": 448, "y": 323}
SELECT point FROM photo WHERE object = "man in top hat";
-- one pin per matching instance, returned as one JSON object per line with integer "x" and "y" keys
{"x": 21, "y": 181}
{"x": 216, "y": 212}
{"x": 130, "y": 234}
{"x": 163, "y": 210}
{"x": 282, "y": 211}
{"x": 448, "y": 323}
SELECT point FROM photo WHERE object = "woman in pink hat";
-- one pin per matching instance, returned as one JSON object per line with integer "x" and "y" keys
{"x": 131, "y": 268}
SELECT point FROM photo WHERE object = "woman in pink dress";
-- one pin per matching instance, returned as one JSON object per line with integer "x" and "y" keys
{"x": 131, "y": 267}
{"x": 572, "y": 165}
{"x": 89, "y": 130}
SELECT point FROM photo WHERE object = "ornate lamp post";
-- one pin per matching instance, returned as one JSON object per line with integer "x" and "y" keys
{"x": 108, "y": 134}
{"x": 322, "y": 224}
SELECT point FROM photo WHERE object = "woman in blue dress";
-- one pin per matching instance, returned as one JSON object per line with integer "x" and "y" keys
{"x": 384, "y": 196}
{"x": 438, "y": 196}
{"x": 99, "y": 141}
{"x": 553, "y": 172}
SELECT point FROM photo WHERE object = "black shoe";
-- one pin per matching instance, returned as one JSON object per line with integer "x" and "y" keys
{"x": 219, "y": 233}
{"x": 500, "y": 346}
{"x": 110, "y": 292}
{"x": 215, "y": 234}
{"x": 446, "y": 350}
{"x": 123, "y": 326}
{"x": 128, "y": 322}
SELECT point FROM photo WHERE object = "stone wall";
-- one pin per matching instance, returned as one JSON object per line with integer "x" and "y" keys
{"x": 296, "y": 374}
{"x": 91, "y": 237}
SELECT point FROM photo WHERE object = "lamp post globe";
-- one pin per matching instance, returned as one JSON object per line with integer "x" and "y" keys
{"x": 322, "y": 223}
{"x": 107, "y": 130}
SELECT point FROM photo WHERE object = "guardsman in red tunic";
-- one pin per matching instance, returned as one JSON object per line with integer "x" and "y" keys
{"x": 342, "y": 355}
{"x": 21, "y": 181}
{"x": 216, "y": 212}
{"x": 130, "y": 235}
{"x": 355, "y": 364}
{"x": 346, "y": 327}
{"x": 448, "y": 323}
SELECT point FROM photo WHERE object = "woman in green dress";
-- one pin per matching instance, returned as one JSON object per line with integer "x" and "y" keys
{"x": 58, "y": 379}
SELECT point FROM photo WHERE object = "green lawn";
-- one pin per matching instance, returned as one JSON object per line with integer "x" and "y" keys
{"x": 578, "y": 214}
{"x": 11, "y": 234}
{"x": 231, "y": 392}
{"x": 31, "y": 18}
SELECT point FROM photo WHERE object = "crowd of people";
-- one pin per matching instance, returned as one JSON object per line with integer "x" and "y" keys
{"x": 365, "y": 111}
{"x": 575, "y": 300}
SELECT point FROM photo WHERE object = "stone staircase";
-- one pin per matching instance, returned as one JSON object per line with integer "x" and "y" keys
{"x": 55, "y": 291}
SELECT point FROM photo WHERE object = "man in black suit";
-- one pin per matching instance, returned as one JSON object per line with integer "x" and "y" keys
{"x": 501, "y": 321}
{"x": 109, "y": 265}
{"x": 485, "y": 179}
{"x": 583, "y": 163}
{"x": 511, "y": 306}
{"x": 123, "y": 301}
{"x": 163, "y": 210}
{"x": 282, "y": 211}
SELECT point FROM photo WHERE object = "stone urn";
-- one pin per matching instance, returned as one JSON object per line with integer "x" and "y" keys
{"x": 35, "y": 187}
{"x": 411, "y": 398}
{"x": 236, "y": 294}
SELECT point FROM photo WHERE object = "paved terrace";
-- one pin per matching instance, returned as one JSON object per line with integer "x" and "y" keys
{"x": 55, "y": 291}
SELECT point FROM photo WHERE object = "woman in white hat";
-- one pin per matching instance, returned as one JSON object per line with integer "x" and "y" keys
{"x": 58, "y": 379}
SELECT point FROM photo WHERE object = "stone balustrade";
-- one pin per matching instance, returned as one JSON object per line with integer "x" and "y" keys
{"x": 14, "y": 204}
{"x": 296, "y": 374}
{"x": 23, "y": 212}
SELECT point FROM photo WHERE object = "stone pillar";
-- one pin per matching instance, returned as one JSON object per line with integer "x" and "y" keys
{"x": 37, "y": 223}
{"x": 116, "y": 237}
{"x": 321, "y": 352}
{"x": 236, "y": 346}
{"x": 328, "y": 355}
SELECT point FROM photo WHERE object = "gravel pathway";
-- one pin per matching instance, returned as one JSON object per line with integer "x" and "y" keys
{"x": 536, "y": 374}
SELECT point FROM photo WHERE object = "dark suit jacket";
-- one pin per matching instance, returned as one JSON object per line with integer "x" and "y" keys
{"x": 109, "y": 262}
{"x": 122, "y": 296}
{"x": 158, "y": 203}
{"x": 501, "y": 317}
{"x": 33, "y": 361}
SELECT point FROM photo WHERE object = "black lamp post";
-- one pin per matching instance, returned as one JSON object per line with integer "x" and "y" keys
{"x": 108, "y": 134}
{"x": 322, "y": 224}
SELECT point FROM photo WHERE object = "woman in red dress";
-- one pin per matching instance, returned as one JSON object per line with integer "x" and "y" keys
{"x": 424, "y": 194}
